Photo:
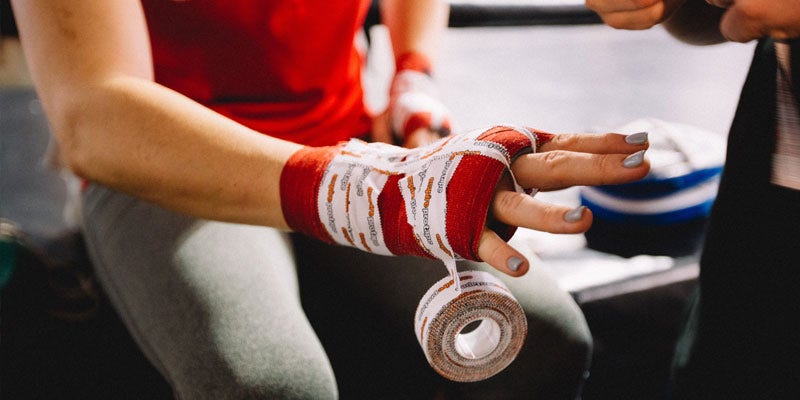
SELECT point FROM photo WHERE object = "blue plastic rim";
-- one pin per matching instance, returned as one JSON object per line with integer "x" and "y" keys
{"x": 700, "y": 210}
{"x": 654, "y": 187}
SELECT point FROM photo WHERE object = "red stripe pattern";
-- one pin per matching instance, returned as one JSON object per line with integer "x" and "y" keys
{"x": 430, "y": 202}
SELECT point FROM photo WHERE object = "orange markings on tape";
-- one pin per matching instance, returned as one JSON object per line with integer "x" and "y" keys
{"x": 428, "y": 192}
{"x": 445, "y": 286}
{"x": 463, "y": 153}
{"x": 371, "y": 205}
{"x": 347, "y": 200}
{"x": 347, "y": 236}
{"x": 442, "y": 246}
{"x": 350, "y": 153}
{"x": 411, "y": 187}
{"x": 364, "y": 241}
{"x": 385, "y": 172}
{"x": 331, "y": 187}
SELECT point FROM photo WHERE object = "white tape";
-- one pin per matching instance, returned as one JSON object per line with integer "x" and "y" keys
{"x": 495, "y": 324}
{"x": 347, "y": 202}
{"x": 348, "y": 206}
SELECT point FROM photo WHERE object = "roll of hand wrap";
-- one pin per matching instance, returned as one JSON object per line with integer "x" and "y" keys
{"x": 473, "y": 333}
{"x": 430, "y": 201}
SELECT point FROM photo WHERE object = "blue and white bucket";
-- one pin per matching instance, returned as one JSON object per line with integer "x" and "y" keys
{"x": 665, "y": 212}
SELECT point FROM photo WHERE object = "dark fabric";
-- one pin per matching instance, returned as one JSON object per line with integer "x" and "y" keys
{"x": 7, "y": 25}
{"x": 795, "y": 46}
{"x": 362, "y": 304}
{"x": 741, "y": 341}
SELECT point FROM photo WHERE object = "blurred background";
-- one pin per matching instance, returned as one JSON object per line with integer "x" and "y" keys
{"x": 547, "y": 64}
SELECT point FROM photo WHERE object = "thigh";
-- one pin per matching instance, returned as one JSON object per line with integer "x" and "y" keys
{"x": 214, "y": 306}
{"x": 383, "y": 292}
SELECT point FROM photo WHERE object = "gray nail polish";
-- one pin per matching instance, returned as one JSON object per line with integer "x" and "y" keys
{"x": 575, "y": 214}
{"x": 514, "y": 263}
{"x": 636, "y": 138}
{"x": 634, "y": 160}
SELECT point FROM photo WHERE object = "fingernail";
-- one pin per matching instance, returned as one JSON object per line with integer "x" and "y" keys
{"x": 514, "y": 263}
{"x": 636, "y": 138}
{"x": 634, "y": 160}
{"x": 575, "y": 214}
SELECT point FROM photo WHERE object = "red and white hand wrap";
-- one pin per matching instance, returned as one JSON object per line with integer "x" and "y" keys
{"x": 429, "y": 201}
{"x": 413, "y": 98}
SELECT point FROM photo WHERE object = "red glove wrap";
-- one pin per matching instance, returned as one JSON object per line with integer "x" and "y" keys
{"x": 430, "y": 201}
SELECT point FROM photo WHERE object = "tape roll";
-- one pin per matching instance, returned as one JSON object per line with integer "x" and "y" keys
{"x": 470, "y": 334}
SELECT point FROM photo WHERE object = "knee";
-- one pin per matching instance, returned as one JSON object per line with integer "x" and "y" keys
{"x": 301, "y": 381}
{"x": 298, "y": 378}
{"x": 557, "y": 357}
{"x": 569, "y": 341}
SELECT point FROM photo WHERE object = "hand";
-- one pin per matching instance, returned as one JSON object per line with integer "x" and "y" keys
{"x": 435, "y": 201}
{"x": 566, "y": 160}
{"x": 747, "y": 20}
{"x": 416, "y": 115}
{"x": 633, "y": 14}
{"x": 381, "y": 132}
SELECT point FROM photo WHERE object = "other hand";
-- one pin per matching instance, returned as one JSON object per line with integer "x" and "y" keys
{"x": 746, "y": 20}
{"x": 633, "y": 14}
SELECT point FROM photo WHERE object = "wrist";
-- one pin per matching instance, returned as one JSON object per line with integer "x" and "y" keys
{"x": 414, "y": 99}
{"x": 414, "y": 61}
{"x": 300, "y": 182}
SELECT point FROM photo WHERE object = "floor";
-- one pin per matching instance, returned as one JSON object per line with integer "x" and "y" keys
{"x": 557, "y": 78}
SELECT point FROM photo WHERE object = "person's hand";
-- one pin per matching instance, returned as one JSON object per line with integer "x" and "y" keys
{"x": 456, "y": 197}
{"x": 565, "y": 160}
{"x": 633, "y": 14}
{"x": 417, "y": 116}
{"x": 746, "y": 20}
{"x": 382, "y": 132}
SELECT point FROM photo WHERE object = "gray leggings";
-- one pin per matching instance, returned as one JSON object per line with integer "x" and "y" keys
{"x": 236, "y": 311}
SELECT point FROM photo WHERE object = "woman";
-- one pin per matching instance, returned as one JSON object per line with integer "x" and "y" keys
{"x": 199, "y": 128}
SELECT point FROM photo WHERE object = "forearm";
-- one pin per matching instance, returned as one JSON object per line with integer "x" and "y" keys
{"x": 90, "y": 62}
{"x": 415, "y": 25}
{"x": 696, "y": 22}
{"x": 138, "y": 137}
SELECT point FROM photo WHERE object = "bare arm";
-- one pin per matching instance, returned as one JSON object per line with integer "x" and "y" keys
{"x": 705, "y": 21}
{"x": 91, "y": 65}
{"x": 415, "y": 25}
{"x": 90, "y": 62}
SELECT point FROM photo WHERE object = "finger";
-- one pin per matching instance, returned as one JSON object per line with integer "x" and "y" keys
{"x": 747, "y": 20}
{"x": 497, "y": 253}
{"x": 612, "y": 6}
{"x": 739, "y": 25}
{"x": 519, "y": 209}
{"x": 607, "y": 143}
{"x": 560, "y": 169}
{"x": 638, "y": 19}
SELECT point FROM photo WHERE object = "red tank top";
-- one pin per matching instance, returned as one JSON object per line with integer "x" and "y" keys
{"x": 287, "y": 68}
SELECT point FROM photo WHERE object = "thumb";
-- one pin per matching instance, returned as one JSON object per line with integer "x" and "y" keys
{"x": 497, "y": 253}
